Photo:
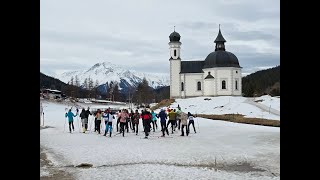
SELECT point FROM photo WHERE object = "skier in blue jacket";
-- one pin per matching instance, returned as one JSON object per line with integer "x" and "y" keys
{"x": 70, "y": 116}
{"x": 154, "y": 120}
{"x": 163, "y": 117}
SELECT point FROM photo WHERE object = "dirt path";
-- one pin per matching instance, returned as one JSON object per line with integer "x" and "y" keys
{"x": 49, "y": 172}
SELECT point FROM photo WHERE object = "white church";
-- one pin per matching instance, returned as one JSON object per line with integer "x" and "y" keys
{"x": 218, "y": 75}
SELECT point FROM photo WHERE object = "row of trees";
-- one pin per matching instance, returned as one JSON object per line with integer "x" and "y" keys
{"x": 141, "y": 93}
{"x": 90, "y": 89}
{"x": 144, "y": 94}
{"x": 262, "y": 82}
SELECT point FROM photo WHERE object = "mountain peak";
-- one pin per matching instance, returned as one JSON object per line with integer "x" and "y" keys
{"x": 106, "y": 72}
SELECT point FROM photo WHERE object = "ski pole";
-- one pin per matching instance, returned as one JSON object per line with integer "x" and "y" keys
{"x": 198, "y": 124}
{"x": 90, "y": 124}
{"x": 65, "y": 120}
{"x": 43, "y": 119}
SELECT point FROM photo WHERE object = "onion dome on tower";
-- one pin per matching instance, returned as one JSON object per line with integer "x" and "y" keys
{"x": 174, "y": 36}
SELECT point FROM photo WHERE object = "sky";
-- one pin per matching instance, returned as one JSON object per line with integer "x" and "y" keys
{"x": 76, "y": 34}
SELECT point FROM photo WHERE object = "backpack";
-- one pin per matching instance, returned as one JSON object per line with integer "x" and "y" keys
{"x": 147, "y": 116}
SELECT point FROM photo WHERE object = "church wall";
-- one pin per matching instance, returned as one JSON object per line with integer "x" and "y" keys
{"x": 224, "y": 74}
{"x": 190, "y": 80}
{"x": 174, "y": 78}
{"x": 237, "y": 76}
{"x": 209, "y": 89}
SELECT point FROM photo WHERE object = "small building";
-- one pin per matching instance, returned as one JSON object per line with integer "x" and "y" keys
{"x": 218, "y": 75}
{"x": 51, "y": 94}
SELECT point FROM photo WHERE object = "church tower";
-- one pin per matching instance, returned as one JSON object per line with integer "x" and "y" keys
{"x": 175, "y": 64}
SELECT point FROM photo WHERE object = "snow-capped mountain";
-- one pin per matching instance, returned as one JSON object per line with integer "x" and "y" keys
{"x": 107, "y": 72}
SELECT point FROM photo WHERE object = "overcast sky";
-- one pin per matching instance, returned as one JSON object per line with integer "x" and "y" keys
{"x": 76, "y": 34}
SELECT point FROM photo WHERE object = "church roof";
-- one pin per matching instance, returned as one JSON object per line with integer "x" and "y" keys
{"x": 220, "y": 38}
{"x": 174, "y": 37}
{"x": 209, "y": 76}
{"x": 221, "y": 59}
{"x": 191, "y": 66}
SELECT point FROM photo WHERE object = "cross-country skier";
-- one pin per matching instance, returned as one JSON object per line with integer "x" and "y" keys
{"x": 147, "y": 122}
{"x": 136, "y": 118}
{"x": 191, "y": 121}
{"x": 123, "y": 118}
{"x": 118, "y": 120}
{"x": 99, "y": 117}
{"x": 127, "y": 120}
{"x": 141, "y": 116}
{"x": 87, "y": 113}
{"x": 154, "y": 120}
{"x": 83, "y": 116}
{"x": 131, "y": 115}
{"x": 184, "y": 122}
{"x": 163, "y": 117}
{"x": 108, "y": 117}
{"x": 70, "y": 116}
{"x": 172, "y": 119}
{"x": 178, "y": 117}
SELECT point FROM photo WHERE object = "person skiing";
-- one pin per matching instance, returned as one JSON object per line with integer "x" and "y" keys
{"x": 95, "y": 121}
{"x": 191, "y": 121}
{"x": 118, "y": 121}
{"x": 131, "y": 115}
{"x": 86, "y": 118}
{"x": 184, "y": 122}
{"x": 172, "y": 119}
{"x": 141, "y": 116}
{"x": 147, "y": 118}
{"x": 83, "y": 116}
{"x": 178, "y": 117}
{"x": 135, "y": 122}
{"x": 99, "y": 117}
{"x": 108, "y": 118}
{"x": 123, "y": 119}
{"x": 127, "y": 120}
{"x": 70, "y": 116}
{"x": 163, "y": 117}
{"x": 154, "y": 120}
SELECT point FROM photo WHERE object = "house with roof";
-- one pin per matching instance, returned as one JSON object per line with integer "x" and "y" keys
{"x": 218, "y": 75}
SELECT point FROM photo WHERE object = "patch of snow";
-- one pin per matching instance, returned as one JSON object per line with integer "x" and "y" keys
{"x": 215, "y": 141}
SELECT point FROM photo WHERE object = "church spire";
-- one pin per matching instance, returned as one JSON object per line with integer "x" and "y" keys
{"x": 220, "y": 41}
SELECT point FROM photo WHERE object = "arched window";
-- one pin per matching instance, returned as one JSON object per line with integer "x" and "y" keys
{"x": 199, "y": 86}
{"x": 175, "y": 52}
{"x": 236, "y": 85}
{"x": 182, "y": 86}
{"x": 223, "y": 84}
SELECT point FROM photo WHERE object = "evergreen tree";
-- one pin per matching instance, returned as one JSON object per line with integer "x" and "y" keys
{"x": 116, "y": 92}
{"x": 95, "y": 89}
{"x": 143, "y": 92}
{"x": 90, "y": 87}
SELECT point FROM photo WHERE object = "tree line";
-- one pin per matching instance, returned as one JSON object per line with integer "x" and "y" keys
{"x": 262, "y": 82}
{"x": 141, "y": 93}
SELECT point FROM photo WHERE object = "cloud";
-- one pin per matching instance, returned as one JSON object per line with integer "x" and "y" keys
{"x": 76, "y": 34}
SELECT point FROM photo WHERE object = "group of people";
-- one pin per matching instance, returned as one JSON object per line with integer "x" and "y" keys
{"x": 126, "y": 121}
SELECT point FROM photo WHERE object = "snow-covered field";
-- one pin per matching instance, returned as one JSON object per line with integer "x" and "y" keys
{"x": 229, "y": 105}
{"x": 273, "y": 102}
{"x": 219, "y": 149}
